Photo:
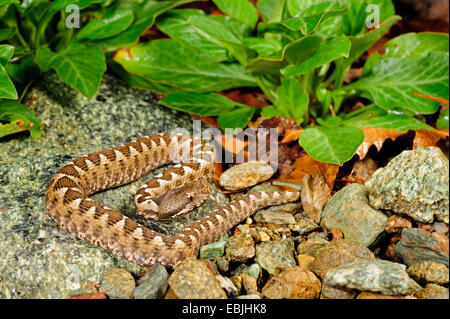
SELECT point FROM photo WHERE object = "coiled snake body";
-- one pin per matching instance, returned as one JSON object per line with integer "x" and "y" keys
{"x": 68, "y": 201}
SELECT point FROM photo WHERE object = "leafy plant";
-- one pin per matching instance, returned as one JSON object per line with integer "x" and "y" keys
{"x": 39, "y": 35}
{"x": 298, "y": 55}
{"x": 297, "y": 52}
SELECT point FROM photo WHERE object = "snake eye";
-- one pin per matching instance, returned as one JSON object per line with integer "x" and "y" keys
{"x": 191, "y": 198}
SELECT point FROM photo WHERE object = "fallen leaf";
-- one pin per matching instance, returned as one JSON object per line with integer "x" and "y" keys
{"x": 376, "y": 136}
{"x": 426, "y": 138}
{"x": 291, "y": 135}
{"x": 2, "y": 209}
{"x": 207, "y": 120}
{"x": 307, "y": 165}
{"x": 230, "y": 143}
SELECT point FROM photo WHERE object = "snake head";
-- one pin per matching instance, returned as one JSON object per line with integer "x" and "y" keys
{"x": 183, "y": 199}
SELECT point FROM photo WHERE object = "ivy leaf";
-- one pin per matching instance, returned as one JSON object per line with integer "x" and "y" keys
{"x": 19, "y": 118}
{"x": 237, "y": 118}
{"x": 170, "y": 62}
{"x": 241, "y": 10}
{"x": 204, "y": 104}
{"x": 334, "y": 145}
{"x": 7, "y": 89}
{"x": 114, "y": 21}
{"x": 416, "y": 45}
{"x": 394, "y": 82}
{"x": 442, "y": 122}
{"x": 292, "y": 99}
{"x": 78, "y": 65}
{"x": 328, "y": 51}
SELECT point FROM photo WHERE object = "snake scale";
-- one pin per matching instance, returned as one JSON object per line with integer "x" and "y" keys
{"x": 68, "y": 201}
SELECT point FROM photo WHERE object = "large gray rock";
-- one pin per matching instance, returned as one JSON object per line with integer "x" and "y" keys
{"x": 350, "y": 211}
{"x": 415, "y": 183}
{"x": 376, "y": 275}
{"x": 37, "y": 259}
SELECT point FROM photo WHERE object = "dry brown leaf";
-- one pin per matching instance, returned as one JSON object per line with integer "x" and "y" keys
{"x": 428, "y": 137}
{"x": 376, "y": 136}
{"x": 307, "y": 165}
{"x": 291, "y": 135}
{"x": 231, "y": 143}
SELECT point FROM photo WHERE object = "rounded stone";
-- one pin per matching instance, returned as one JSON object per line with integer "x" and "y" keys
{"x": 152, "y": 285}
{"x": 192, "y": 279}
{"x": 274, "y": 256}
{"x": 293, "y": 283}
{"x": 427, "y": 271}
{"x": 117, "y": 283}
{"x": 311, "y": 246}
{"x": 338, "y": 253}
{"x": 245, "y": 175}
{"x": 240, "y": 247}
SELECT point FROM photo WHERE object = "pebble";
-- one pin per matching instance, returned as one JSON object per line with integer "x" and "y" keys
{"x": 416, "y": 245}
{"x": 237, "y": 281}
{"x": 245, "y": 175}
{"x": 303, "y": 225}
{"x": 432, "y": 291}
{"x": 311, "y": 246}
{"x": 381, "y": 276}
{"x": 338, "y": 253}
{"x": 274, "y": 256}
{"x": 415, "y": 183}
{"x": 251, "y": 296}
{"x": 305, "y": 261}
{"x": 228, "y": 285}
{"x": 274, "y": 217}
{"x": 315, "y": 194}
{"x": 329, "y": 292}
{"x": 253, "y": 270}
{"x": 374, "y": 295}
{"x": 427, "y": 271}
{"x": 117, "y": 283}
{"x": 249, "y": 283}
{"x": 240, "y": 247}
{"x": 192, "y": 279}
{"x": 440, "y": 228}
{"x": 153, "y": 284}
{"x": 396, "y": 223}
{"x": 349, "y": 210}
{"x": 293, "y": 283}
{"x": 289, "y": 208}
{"x": 363, "y": 169}
{"x": 89, "y": 295}
{"x": 223, "y": 263}
{"x": 214, "y": 249}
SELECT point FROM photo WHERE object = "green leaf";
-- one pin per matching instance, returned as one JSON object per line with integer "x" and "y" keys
{"x": 145, "y": 13}
{"x": 18, "y": 118}
{"x": 23, "y": 71}
{"x": 7, "y": 89}
{"x": 329, "y": 50}
{"x": 78, "y": 65}
{"x": 334, "y": 145}
{"x": 175, "y": 24}
{"x": 416, "y": 45}
{"x": 362, "y": 43}
{"x": 7, "y": 2}
{"x": 292, "y": 99}
{"x": 206, "y": 104}
{"x": 393, "y": 81}
{"x": 305, "y": 25}
{"x": 172, "y": 63}
{"x": 264, "y": 47}
{"x": 270, "y": 111}
{"x": 265, "y": 8}
{"x": 113, "y": 21}
{"x": 377, "y": 117}
{"x": 59, "y": 5}
{"x": 442, "y": 122}
{"x": 295, "y": 53}
{"x": 308, "y": 8}
{"x": 241, "y": 10}
{"x": 6, "y": 53}
{"x": 6, "y": 33}
{"x": 237, "y": 118}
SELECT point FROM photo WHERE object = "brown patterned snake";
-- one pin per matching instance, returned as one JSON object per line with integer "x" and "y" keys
{"x": 69, "y": 204}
